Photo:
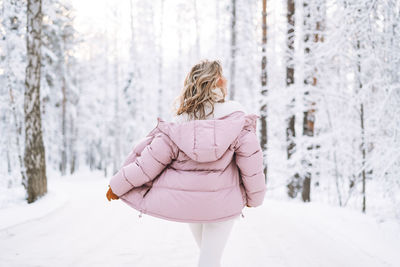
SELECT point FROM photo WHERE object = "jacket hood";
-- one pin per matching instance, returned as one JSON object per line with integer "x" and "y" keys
{"x": 207, "y": 140}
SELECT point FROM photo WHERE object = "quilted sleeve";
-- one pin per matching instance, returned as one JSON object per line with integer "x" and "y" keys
{"x": 249, "y": 159}
{"x": 148, "y": 165}
{"x": 137, "y": 149}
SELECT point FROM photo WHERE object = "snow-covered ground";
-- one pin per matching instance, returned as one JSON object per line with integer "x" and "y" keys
{"x": 75, "y": 225}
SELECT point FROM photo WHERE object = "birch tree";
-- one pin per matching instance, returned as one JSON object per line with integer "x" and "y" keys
{"x": 34, "y": 155}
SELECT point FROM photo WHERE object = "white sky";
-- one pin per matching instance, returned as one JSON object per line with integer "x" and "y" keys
{"x": 95, "y": 16}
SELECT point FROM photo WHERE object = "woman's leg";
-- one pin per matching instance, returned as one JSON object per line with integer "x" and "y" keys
{"x": 196, "y": 229}
{"x": 213, "y": 241}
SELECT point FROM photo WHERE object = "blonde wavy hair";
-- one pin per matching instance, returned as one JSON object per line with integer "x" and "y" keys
{"x": 198, "y": 89}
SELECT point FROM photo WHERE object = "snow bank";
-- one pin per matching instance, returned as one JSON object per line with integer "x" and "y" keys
{"x": 18, "y": 212}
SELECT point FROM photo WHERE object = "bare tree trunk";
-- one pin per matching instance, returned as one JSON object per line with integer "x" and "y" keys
{"x": 362, "y": 128}
{"x": 64, "y": 71}
{"x": 63, "y": 163}
{"x": 233, "y": 51}
{"x": 72, "y": 154}
{"x": 34, "y": 156}
{"x": 264, "y": 89}
{"x": 363, "y": 151}
{"x": 8, "y": 158}
{"x": 313, "y": 35}
{"x": 293, "y": 185}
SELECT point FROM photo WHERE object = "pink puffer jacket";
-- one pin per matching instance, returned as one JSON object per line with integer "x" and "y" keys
{"x": 195, "y": 171}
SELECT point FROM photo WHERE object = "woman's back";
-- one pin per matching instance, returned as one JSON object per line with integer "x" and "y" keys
{"x": 205, "y": 165}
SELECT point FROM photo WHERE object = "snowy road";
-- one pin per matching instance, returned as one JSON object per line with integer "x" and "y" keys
{"x": 87, "y": 230}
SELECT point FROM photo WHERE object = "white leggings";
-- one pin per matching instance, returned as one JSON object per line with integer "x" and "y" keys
{"x": 211, "y": 239}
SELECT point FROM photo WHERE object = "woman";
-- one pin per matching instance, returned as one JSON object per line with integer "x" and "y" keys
{"x": 202, "y": 168}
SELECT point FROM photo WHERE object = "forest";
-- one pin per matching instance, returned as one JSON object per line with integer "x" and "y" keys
{"x": 81, "y": 82}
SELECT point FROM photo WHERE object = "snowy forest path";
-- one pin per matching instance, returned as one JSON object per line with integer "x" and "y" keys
{"x": 91, "y": 231}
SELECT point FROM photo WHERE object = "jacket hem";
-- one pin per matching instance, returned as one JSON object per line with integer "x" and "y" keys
{"x": 191, "y": 220}
{"x": 181, "y": 220}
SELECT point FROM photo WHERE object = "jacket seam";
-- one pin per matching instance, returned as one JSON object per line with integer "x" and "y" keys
{"x": 213, "y": 170}
{"x": 238, "y": 143}
{"x": 155, "y": 158}
{"x": 173, "y": 144}
{"x": 215, "y": 142}
{"x": 179, "y": 189}
{"x": 258, "y": 191}
{"x": 169, "y": 146}
{"x": 123, "y": 174}
{"x": 248, "y": 156}
{"x": 252, "y": 174}
{"x": 141, "y": 168}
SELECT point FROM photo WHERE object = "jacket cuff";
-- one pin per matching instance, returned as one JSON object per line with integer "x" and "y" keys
{"x": 256, "y": 199}
{"x": 119, "y": 184}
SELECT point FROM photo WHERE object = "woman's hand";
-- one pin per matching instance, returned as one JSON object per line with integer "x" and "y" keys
{"x": 110, "y": 194}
